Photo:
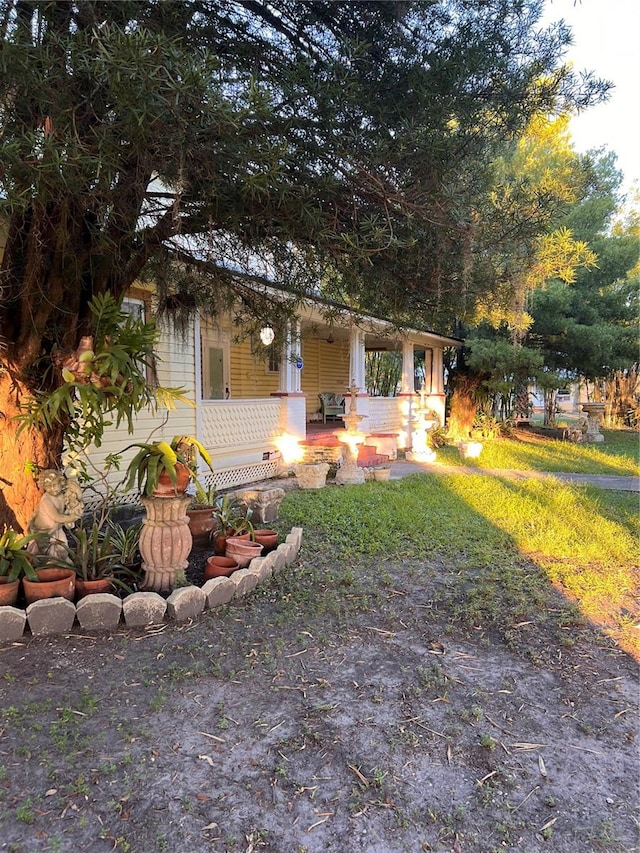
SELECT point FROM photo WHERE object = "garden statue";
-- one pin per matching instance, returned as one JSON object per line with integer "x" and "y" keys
{"x": 351, "y": 437}
{"x": 60, "y": 506}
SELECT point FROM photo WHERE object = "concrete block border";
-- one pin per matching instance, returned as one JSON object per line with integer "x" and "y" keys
{"x": 141, "y": 609}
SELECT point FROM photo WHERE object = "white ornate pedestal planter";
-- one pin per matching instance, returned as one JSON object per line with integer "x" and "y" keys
{"x": 423, "y": 421}
{"x": 349, "y": 473}
{"x": 165, "y": 541}
{"x": 594, "y": 412}
{"x": 312, "y": 476}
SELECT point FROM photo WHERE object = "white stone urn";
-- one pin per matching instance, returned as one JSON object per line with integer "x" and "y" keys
{"x": 165, "y": 541}
{"x": 594, "y": 412}
{"x": 312, "y": 476}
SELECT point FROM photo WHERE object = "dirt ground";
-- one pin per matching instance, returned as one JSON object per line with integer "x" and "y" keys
{"x": 322, "y": 715}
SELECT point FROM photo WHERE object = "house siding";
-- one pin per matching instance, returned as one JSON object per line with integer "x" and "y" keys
{"x": 325, "y": 369}
{"x": 249, "y": 375}
{"x": 175, "y": 359}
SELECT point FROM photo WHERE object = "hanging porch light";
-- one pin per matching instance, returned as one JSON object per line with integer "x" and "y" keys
{"x": 267, "y": 335}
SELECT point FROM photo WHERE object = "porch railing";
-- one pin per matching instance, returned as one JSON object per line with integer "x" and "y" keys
{"x": 386, "y": 414}
{"x": 239, "y": 431}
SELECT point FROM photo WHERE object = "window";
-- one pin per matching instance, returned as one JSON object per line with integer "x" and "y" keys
{"x": 274, "y": 360}
{"x": 134, "y": 308}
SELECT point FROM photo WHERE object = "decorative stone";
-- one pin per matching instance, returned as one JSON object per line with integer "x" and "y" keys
{"x": 470, "y": 449}
{"x": 186, "y": 603}
{"x": 218, "y": 591}
{"x": 270, "y": 562}
{"x": 264, "y": 501}
{"x": 594, "y": 412}
{"x": 288, "y": 552}
{"x": 143, "y": 608}
{"x": 294, "y": 543}
{"x": 279, "y": 558}
{"x": 261, "y": 568}
{"x": 244, "y": 581}
{"x": 51, "y": 616}
{"x": 12, "y": 624}
{"x": 99, "y": 612}
{"x": 312, "y": 476}
{"x": 165, "y": 541}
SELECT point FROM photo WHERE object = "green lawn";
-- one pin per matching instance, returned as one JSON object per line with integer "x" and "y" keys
{"x": 619, "y": 454}
{"x": 506, "y": 547}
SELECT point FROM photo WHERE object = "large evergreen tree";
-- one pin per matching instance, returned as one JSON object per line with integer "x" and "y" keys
{"x": 342, "y": 141}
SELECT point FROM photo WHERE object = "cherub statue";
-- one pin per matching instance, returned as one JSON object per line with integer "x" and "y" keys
{"x": 60, "y": 506}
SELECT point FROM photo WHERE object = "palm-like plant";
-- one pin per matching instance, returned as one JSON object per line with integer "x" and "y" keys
{"x": 157, "y": 457}
{"x": 231, "y": 516}
{"x": 15, "y": 560}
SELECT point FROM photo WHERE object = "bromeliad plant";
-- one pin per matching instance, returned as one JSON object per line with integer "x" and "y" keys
{"x": 204, "y": 497}
{"x": 15, "y": 561}
{"x": 106, "y": 552}
{"x": 231, "y": 517}
{"x": 103, "y": 382}
{"x": 154, "y": 458}
{"x": 91, "y": 553}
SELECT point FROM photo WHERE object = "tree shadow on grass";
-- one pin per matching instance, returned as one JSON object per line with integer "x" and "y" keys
{"x": 509, "y": 547}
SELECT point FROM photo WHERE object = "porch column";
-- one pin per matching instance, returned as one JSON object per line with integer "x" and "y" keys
{"x": 357, "y": 374}
{"x": 290, "y": 374}
{"x": 292, "y": 420}
{"x": 436, "y": 398}
{"x": 356, "y": 359}
{"x": 438, "y": 371}
{"x": 408, "y": 382}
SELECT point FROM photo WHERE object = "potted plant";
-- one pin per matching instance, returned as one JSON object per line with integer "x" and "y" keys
{"x": 92, "y": 557}
{"x": 126, "y": 544}
{"x": 54, "y": 577}
{"x": 15, "y": 563}
{"x": 163, "y": 469}
{"x": 200, "y": 512}
{"x": 231, "y": 518}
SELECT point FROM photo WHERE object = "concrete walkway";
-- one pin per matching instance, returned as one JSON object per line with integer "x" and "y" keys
{"x": 402, "y": 468}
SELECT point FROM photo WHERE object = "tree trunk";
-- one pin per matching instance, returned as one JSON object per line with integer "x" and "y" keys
{"x": 550, "y": 397}
{"x": 19, "y": 454}
{"x": 464, "y": 405}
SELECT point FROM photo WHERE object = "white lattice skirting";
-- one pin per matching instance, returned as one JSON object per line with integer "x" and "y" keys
{"x": 224, "y": 478}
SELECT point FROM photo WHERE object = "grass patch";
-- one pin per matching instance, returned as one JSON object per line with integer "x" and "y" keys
{"x": 509, "y": 544}
{"x": 618, "y": 455}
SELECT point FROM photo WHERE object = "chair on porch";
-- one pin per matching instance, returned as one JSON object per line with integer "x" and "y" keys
{"x": 331, "y": 406}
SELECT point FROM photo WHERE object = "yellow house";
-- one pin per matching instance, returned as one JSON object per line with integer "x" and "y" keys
{"x": 254, "y": 405}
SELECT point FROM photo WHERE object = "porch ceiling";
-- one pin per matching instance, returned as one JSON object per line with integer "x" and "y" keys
{"x": 374, "y": 339}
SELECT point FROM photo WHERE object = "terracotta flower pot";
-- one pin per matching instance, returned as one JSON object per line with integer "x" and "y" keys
{"x": 92, "y": 587}
{"x": 201, "y": 523}
{"x": 267, "y": 538}
{"x": 242, "y": 550}
{"x": 8, "y": 592}
{"x": 51, "y": 583}
{"x": 220, "y": 541}
{"x": 218, "y": 567}
{"x": 166, "y": 489}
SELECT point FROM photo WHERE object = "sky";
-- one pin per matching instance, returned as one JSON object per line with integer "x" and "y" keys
{"x": 606, "y": 40}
